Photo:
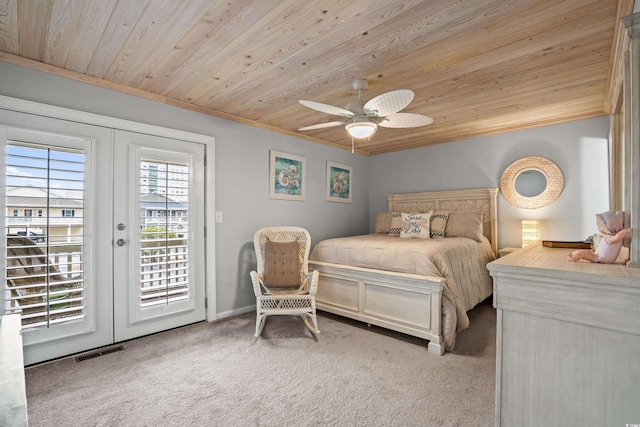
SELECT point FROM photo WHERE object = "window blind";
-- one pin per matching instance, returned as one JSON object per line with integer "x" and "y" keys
{"x": 45, "y": 252}
{"x": 164, "y": 235}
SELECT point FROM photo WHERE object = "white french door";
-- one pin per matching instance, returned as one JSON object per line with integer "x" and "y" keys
{"x": 104, "y": 233}
{"x": 158, "y": 234}
{"x": 56, "y": 230}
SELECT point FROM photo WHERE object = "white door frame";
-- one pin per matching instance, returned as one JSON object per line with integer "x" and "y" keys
{"x": 8, "y": 104}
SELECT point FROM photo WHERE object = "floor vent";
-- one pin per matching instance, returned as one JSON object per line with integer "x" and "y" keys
{"x": 98, "y": 353}
{"x": 111, "y": 350}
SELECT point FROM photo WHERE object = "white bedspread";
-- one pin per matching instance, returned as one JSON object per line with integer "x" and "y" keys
{"x": 459, "y": 260}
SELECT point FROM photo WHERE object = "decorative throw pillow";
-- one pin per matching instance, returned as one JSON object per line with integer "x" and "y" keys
{"x": 415, "y": 225}
{"x": 438, "y": 224}
{"x": 383, "y": 222}
{"x": 465, "y": 224}
{"x": 395, "y": 224}
{"x": 281, "y": 264}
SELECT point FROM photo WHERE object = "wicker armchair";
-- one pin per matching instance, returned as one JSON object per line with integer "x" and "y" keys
{"x": 281, "y": 251}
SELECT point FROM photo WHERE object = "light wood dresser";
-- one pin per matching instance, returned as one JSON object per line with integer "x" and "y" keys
{"x": 568, "y": 340}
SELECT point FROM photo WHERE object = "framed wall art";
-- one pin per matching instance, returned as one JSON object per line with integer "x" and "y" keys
{"x": 287, "y": 176}
{"x": 339, "y": 182}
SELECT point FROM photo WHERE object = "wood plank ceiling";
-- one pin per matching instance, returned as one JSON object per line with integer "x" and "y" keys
{"x": 477, "y": 67}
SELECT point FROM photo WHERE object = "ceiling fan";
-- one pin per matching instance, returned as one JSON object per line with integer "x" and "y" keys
{"x": 361, "y": 119}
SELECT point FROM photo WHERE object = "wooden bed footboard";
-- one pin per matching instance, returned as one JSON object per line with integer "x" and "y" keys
{"x": 407, "y": 303}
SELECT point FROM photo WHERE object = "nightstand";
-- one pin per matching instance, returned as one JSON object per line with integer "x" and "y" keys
{"x": 506, "y": 251}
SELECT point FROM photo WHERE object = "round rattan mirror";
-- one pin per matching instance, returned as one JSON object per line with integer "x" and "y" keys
{"x": 532, "y": 172}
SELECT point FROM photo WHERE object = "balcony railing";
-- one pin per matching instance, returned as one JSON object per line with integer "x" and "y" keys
{"x": 48, "y": 290}
{"x": 41, "y": 221}
{"x": 164, "y": 272}
{"x": 171, "y": 223}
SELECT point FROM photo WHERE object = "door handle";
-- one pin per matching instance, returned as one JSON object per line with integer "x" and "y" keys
{"x": 120, "y": 242}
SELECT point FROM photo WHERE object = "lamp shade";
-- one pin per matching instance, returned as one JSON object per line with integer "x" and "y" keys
{"x": 361, "y": 129}
{"x": 530, "y": 231}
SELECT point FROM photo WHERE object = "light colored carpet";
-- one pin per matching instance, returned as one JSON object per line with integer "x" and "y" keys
{"x": 217, "y": 374}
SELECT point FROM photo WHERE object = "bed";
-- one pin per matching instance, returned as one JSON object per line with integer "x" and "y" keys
{"x": 387, "y": 281}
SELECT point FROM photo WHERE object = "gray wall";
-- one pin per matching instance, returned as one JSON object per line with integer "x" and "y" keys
{"x": 241, "y": 173}
{"x": 242, "y": 164}
{"x": 579, "y": 148}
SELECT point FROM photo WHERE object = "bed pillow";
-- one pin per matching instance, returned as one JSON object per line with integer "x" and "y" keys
{"x": 465, "y": 224}
{"x": 416, "y": 226}
{"x": 383, "y": 222}
{"x": 438, "y": 224}
{"x": 395, "y": 224}
{"x": 281, "y": 264}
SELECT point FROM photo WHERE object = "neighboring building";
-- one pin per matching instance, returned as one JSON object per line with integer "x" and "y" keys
{"x": 157, "y": 210}
{"x": 169, "y": 180}
{"x": 33, "y": 211}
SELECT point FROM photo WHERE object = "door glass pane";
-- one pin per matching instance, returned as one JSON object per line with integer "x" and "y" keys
{"x": 164, "y": 232}
{"x": 45, "y": 263}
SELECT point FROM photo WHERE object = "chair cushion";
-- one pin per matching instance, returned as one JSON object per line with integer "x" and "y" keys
{"x": 282, "y": 264}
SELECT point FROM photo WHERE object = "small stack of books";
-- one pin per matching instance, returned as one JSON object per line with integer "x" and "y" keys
{"x": 572, "y": 245}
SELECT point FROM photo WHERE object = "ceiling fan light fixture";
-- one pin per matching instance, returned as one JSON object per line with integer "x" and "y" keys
{"x": 361, "y": 119}
{"x": 361, "y": 129}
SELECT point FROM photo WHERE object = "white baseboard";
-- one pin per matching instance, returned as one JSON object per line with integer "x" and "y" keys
{"x": 236, "y": 312}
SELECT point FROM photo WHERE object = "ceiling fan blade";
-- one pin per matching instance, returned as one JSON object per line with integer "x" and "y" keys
{"x": 405, "y": 120}
{"x": 389, "y": 103}
{"x": 322, "y": 125}
{"x": 325, "y": 108}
